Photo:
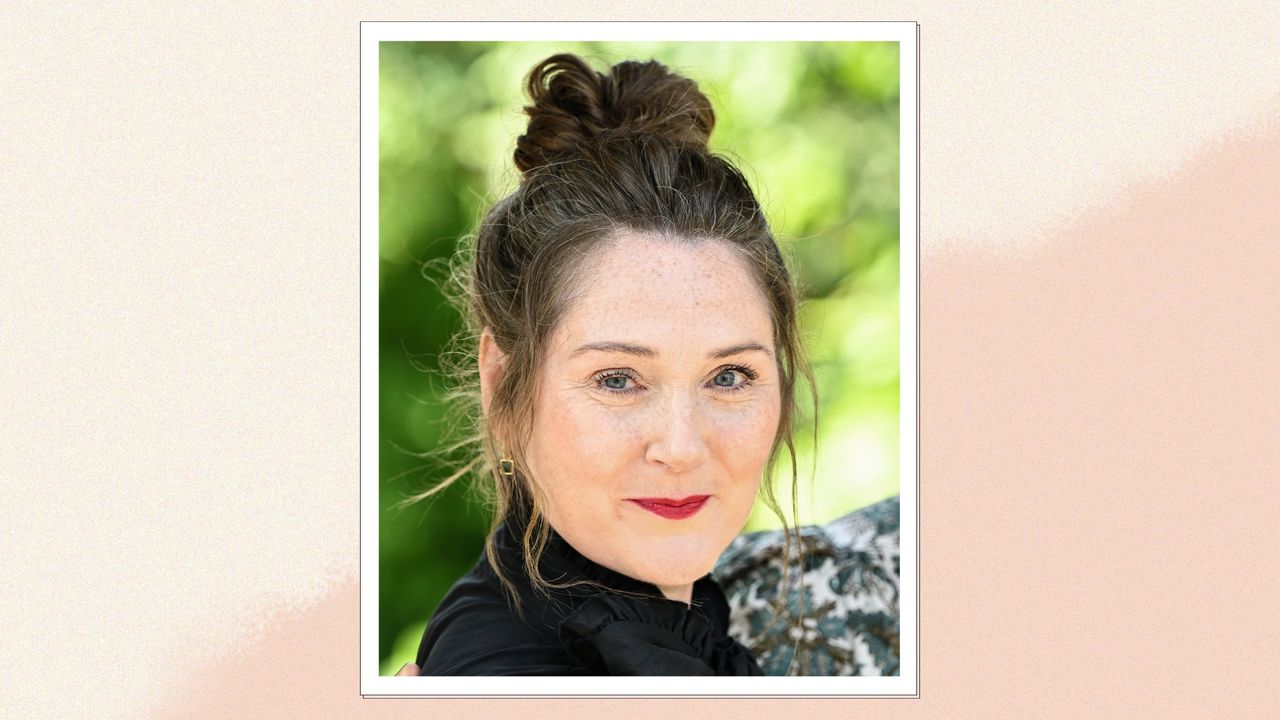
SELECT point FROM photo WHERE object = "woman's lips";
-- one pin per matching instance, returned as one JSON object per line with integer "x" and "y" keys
{"x": 671, "y": 508}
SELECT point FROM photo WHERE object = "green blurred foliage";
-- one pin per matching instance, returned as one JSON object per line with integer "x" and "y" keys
{"x": 814, "y": 126}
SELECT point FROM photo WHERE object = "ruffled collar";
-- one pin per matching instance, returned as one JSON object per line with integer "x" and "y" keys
{"x": 619, "y": 625}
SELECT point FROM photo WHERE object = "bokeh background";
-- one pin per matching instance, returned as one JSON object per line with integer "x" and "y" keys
{"x": 814, "y": 126}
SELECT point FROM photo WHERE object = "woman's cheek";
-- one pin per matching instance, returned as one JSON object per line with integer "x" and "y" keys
{"x": 600, "y": 440}
{"x": 747, "y": 435}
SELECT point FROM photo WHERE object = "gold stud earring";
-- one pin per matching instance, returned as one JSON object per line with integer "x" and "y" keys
{"x": 506, "y": 466}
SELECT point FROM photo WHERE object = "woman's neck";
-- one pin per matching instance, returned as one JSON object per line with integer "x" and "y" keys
{"x": 682, "y": 593}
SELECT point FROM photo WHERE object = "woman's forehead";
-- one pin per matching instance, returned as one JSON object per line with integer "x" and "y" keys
{"x": 676, "y": 273}
{"x": 656, "y": 293}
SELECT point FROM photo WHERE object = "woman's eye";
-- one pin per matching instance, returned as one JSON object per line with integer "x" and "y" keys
{"x": 616, "y": 382}
{"x": 732, "y": 379}
{"x": 726, "y": 378}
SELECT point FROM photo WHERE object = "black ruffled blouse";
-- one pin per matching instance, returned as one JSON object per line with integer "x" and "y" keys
{"x": 630, "y": 629}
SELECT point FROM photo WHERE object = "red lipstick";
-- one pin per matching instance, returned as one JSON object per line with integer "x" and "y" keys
{"x": 671, "y": 508}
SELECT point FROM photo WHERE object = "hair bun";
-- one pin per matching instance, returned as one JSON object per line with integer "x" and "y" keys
{"x": 573, "y": 104}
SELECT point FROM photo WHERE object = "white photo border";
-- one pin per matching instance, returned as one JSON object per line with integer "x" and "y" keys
{"x": 904, "y": 685}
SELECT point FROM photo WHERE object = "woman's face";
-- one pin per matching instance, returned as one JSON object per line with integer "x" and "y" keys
{"x": 657, "y": 408}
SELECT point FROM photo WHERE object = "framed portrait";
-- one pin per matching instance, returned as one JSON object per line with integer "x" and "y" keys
{"x": 819, "y": 120}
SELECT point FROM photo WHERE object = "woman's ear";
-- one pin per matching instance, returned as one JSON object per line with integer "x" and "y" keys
{"x": 492, "y": 361}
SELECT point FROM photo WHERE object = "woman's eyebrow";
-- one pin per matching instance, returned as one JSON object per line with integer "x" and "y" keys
{"x": 642, "y": 351}
{"x": 616, "y": 347}
{"x": 740, "y": 348}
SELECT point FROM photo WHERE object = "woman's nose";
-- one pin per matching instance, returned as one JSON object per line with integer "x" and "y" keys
{"x": 677, "y": 439}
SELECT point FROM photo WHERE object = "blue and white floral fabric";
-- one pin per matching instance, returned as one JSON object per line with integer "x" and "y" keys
{"x": 840, "y": 615}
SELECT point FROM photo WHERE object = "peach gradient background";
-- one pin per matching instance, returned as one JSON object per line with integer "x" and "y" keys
{"x": 1100, "y": 328}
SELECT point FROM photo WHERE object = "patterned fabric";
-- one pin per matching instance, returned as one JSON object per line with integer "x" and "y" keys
{"x": 847, "y": 594}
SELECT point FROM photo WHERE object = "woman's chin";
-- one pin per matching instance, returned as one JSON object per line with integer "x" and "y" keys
{"x": 674, "y": 564}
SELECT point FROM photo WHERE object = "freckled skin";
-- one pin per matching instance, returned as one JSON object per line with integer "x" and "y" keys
{"x": 680, "y": 431}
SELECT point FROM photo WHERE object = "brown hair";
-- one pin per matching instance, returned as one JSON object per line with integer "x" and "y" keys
{"x": 603, "y": 153}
